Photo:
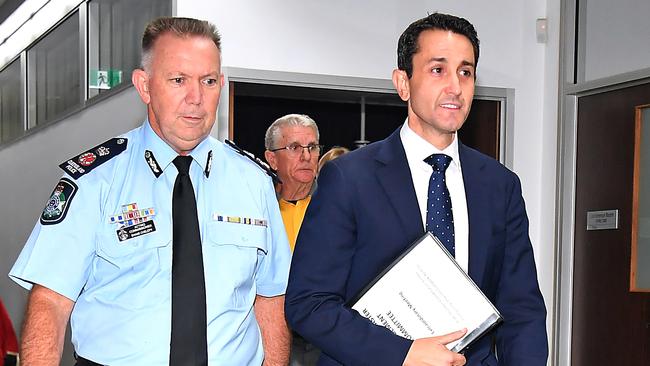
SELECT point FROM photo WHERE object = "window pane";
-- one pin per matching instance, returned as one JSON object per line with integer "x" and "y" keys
{"x": 614, "y": 36}
{"x": 53, "y": 73}
{"x": 115, "y": 30}
{"x": 11, "y": 107}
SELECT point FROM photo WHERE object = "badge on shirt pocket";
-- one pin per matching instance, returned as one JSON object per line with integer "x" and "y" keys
{"x": 133, "y": 222}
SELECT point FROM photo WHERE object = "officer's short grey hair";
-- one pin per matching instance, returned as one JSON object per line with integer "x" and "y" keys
{"x": 180, "y": 27}
{"x": 274, "y": 132}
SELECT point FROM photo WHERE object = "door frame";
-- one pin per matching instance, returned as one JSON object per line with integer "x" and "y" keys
{"x": 572, "y": 87}
{"x": 235, "y": 74}
{"x": 565, "y": 220}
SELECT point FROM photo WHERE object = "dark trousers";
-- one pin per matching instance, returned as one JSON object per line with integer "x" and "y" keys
{"x": 303, "y": 353}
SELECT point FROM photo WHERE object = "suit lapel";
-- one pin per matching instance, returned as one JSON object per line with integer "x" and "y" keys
{"x": 394, "y": 176}
{"x": 477, "y": 194}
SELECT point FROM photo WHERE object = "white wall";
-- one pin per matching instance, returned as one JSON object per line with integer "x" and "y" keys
{"x": 548, "y": 153}
{"x": 359, "y": 38}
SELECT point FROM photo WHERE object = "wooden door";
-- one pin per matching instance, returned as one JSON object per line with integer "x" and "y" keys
{"x": 610, "y": 323}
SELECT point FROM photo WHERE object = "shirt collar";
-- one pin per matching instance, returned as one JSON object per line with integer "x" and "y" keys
{"x": 165, "y": 154}
{"x": 417, "y": 148}
{"x": 203, "y": 155}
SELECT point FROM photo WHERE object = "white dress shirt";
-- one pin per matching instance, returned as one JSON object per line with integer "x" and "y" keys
{"x": 417, "y": 149}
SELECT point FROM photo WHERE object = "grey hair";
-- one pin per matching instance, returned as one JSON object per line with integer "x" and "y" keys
{"x": 274, "y": 132}
{"x": 180, "y": 27}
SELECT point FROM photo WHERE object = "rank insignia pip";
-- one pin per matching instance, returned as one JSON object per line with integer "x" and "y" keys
{"x": 86, "y": 159}
{"x": 89, "y": 160}
{"x": 59, "y": 202}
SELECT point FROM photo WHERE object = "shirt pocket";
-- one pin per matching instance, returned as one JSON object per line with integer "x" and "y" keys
{"x": 142, "y": 250}
{"x": 233, "y": 253}
{"x": 133, "y": 273}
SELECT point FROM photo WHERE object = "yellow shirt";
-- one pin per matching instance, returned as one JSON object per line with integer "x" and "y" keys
{"x": 292, "y": 216}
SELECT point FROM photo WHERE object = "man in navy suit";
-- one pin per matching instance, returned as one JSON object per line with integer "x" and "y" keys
{"x": 371, "y": 204}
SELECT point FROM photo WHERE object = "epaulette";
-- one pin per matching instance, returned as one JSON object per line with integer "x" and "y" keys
{"x": 265, "y": 167}
{"x": 90, "y": 159}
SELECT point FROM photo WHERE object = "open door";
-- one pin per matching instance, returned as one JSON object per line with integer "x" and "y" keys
{"x": 253, "y": 107}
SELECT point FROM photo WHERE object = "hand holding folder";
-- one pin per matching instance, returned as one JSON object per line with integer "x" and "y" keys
{"x": 424, "y": 293}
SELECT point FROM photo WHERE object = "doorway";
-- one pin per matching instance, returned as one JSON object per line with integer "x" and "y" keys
{"x": 348, "y": 116}
{"x": 610, "y": 324}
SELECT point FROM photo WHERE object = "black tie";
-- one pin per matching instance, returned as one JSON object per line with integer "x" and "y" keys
{"x": 440, "y": 218}
{"x": 188, "y": 339}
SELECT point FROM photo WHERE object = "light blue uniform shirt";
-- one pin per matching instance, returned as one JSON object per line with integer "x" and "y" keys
{"x": 122, "y": 314}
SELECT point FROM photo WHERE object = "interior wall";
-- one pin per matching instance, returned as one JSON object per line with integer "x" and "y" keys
{"x": 359, "y": 39}
{"x": 30, "y": 171}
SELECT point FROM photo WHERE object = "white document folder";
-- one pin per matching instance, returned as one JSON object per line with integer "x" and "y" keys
{"x": 425, "y": 293}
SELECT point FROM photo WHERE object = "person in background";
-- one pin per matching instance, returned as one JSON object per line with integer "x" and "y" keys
{"x": 8, "y": 341}
{"x": 292, "y": 150}
{"x": 162, "y": 246}
{"x": 332, "y": 154}
{"x": 373, "y": 203}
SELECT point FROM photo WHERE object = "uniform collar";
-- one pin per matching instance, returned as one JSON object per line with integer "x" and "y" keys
{"x": 202, "y": 154}
{"x": 164, "y": 154}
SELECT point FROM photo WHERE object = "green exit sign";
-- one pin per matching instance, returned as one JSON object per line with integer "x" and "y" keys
{"x": 104, "y": 79}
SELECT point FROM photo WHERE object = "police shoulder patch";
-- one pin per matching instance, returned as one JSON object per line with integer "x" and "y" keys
{"x": 90, "y": 159}
{"x": 57, "y": 206}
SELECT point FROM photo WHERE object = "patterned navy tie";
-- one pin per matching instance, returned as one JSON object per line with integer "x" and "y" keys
{"x": 440, "y": 219}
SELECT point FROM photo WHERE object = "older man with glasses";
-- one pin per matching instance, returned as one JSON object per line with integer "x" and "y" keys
{"x": 292, "y": 150}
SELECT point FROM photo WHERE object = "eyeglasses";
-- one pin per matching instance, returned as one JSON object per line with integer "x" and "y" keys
{"x": 296, "y": 149}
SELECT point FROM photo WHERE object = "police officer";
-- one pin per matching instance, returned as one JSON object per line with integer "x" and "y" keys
{"x": 105, "y": 250}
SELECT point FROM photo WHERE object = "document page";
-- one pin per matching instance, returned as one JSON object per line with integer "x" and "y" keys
{"x": 425, "y": 293}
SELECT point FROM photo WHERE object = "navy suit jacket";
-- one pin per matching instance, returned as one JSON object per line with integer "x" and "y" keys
{"x": 364, "y": 213}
